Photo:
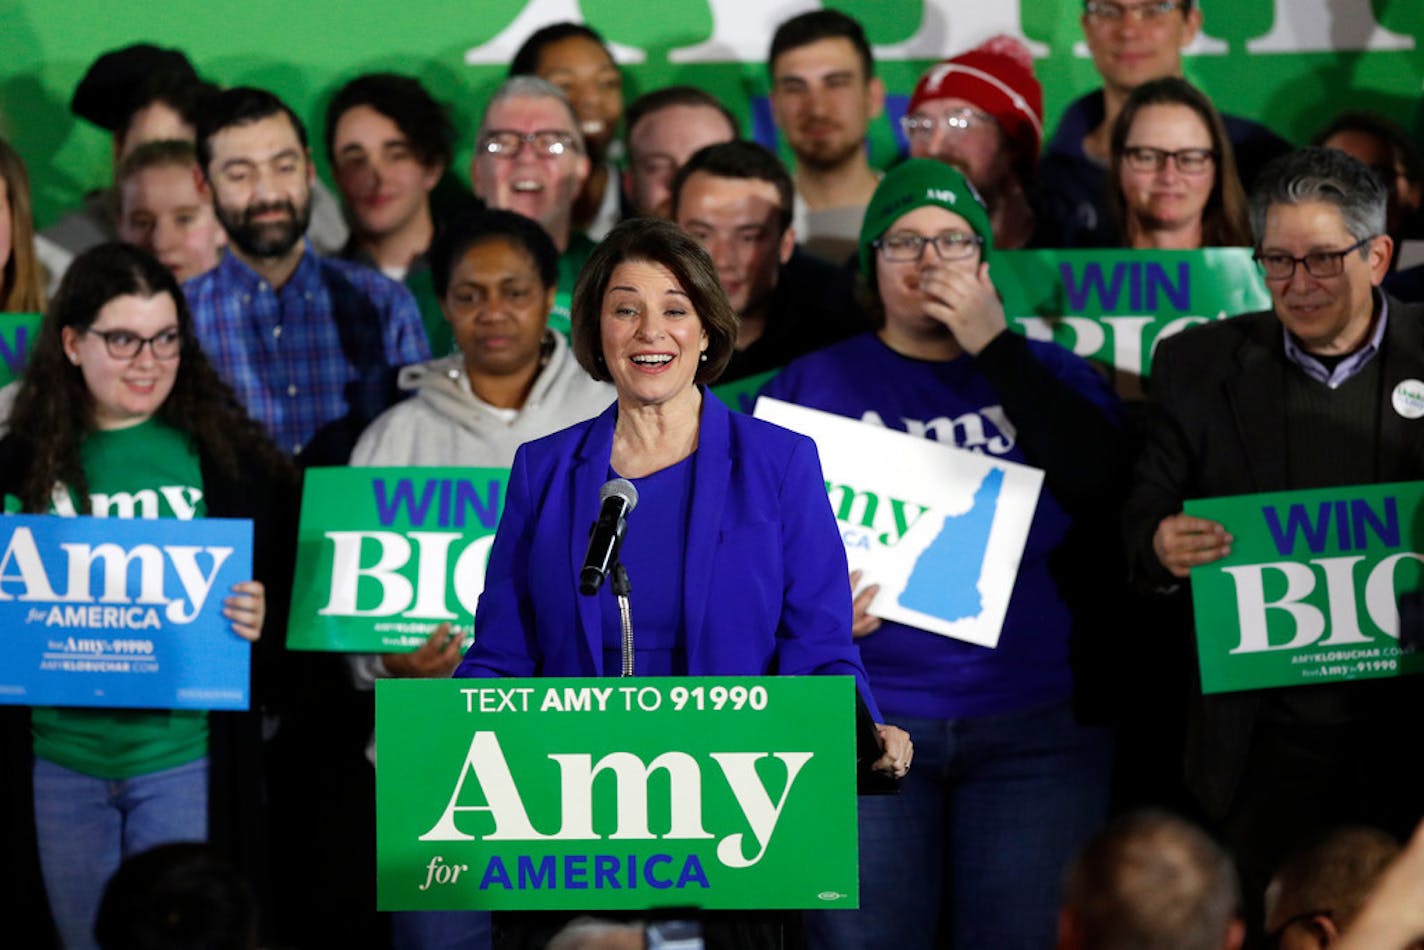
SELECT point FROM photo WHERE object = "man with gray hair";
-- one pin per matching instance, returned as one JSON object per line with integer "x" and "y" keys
{"x": 529, "y": 158}
{"x": 1315, "y": 392}
{"x": 1150, "y": 879}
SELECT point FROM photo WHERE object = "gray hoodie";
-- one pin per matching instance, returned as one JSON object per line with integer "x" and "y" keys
{"x": 445, "y": 424}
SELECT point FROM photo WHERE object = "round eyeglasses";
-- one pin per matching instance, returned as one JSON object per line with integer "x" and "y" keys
{"x": 507, "y": 143}
{"x": 126, "y": 345}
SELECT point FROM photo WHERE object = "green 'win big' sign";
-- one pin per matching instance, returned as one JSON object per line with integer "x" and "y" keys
{"x": 582, "y": 794}
{"x": 1320, "y": 586}
{"x": 385, "y": 555}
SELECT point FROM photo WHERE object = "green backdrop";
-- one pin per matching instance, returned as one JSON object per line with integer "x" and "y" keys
{"x": 1288, "y": 63}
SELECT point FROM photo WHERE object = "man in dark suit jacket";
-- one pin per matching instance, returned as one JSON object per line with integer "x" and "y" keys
{"x": 1306, "y": 395}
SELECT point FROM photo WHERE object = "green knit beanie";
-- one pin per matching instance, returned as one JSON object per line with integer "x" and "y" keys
{"x": 913, "y": 184}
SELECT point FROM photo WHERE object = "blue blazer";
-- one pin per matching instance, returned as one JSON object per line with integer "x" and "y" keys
{"x": 765, "y": 578}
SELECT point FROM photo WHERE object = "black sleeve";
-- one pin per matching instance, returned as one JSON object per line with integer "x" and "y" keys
{"x": 1080, "y": 447}
{"x": 1163, "y": 474}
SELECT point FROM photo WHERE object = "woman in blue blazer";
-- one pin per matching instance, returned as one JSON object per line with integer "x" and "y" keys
{"x": 735, "y": 559}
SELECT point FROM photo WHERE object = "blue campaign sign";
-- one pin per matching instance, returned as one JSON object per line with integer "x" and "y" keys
{"x": 122, "y": 612}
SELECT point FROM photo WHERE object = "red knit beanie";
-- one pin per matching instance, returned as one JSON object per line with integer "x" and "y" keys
{"x": 997, "y": 77}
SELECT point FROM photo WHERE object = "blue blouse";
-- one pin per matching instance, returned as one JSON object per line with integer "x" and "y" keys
{"x": 656, "y": 536}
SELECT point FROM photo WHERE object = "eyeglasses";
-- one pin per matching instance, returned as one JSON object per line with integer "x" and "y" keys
{"x": 1106, "y": 11}
{"x": 1317, "y": 263}
{"x": 922, "y": 126}
{"x": 506, "y": 143}
{"x": 1189, "y": 161}
{"x": 907, "y": 246}
{"x": 125, "y": 345}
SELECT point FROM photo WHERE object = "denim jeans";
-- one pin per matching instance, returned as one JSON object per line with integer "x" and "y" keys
{"x": 971, "y": 852}
{"x": 87, "y": 825}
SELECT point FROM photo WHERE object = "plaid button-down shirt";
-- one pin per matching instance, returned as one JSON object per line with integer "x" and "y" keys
{"x": 323, "y": 346}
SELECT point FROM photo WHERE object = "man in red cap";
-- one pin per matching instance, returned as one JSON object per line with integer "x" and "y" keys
{"x": 982, "y": 112}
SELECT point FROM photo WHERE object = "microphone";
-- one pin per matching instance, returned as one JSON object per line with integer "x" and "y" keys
{"x": 616, "y": 498}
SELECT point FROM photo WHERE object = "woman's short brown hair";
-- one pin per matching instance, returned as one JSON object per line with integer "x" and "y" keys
{"x": 657, "y": 242}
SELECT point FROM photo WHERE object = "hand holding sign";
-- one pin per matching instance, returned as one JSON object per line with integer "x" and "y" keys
{"x": 436, "y": 658}
{"x": 1182, "y": 542}
{"x": 246, "y": 609}
{"x": 966, "y": 302}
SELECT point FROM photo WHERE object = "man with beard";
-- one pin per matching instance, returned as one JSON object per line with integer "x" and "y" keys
{"x": 823, "y": 96}
{"x": 529, "y": 158}
{"x": 303, "y": 340}
{"x": 982, "y": 112}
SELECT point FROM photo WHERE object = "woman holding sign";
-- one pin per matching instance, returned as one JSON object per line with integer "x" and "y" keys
{"x": 118, "y": 405}
{"x": 1172, "y": 173}
{"x": 1014, "y": 783}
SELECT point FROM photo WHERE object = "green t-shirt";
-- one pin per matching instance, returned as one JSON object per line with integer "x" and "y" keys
{"x": 150, "y": 470}
{"x": 570, "y": 263}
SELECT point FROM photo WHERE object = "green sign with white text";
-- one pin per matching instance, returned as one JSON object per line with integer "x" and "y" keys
{"x": 1113, "y": 306}
{"x": 385, "y": 555}
{"x": 1313, "y": 589}
{"x": 586, "y": 794}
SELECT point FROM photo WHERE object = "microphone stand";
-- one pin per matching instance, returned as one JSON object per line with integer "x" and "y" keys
{"x": 619, "y": 583}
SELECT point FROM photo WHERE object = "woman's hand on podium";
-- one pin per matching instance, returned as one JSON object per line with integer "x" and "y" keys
{"x": 436, "y": 658}
{"x": 897, "y": 750}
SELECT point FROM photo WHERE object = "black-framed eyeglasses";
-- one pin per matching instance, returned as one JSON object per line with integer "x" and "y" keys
{"x": 507, "y": 143}
{"x": 908, "y": 246}
{"x": 1280, "y": 266}
{"x": 1189, "y": 161}
{"x": 921, "y": 126}
{"x": 1109, "y": 11}
{"x": 126, "y": 345}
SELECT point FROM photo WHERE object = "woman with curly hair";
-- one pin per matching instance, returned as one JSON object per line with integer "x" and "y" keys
{"x": 117, "y": 400}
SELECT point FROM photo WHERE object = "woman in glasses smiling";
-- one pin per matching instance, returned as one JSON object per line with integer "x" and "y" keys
{"x": 120, "y": 415}
{"x": 970, "y": 853}
{"x": 1172, "y": 181}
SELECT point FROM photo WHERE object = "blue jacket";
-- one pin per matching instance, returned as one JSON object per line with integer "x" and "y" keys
{"x": 767, "y": 590}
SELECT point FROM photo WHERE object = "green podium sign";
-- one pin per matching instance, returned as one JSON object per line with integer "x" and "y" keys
{"x": 1314, "y": 588}
{"x": 634, "y": 794}
{"x": 385, "y": 555}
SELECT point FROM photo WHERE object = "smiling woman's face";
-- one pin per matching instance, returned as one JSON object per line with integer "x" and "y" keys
{"x": 652, "y": 339}
{"x": 128, "y": 391}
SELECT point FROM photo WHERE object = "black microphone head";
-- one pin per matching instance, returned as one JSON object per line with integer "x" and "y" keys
{"x": 619, "y": 488}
